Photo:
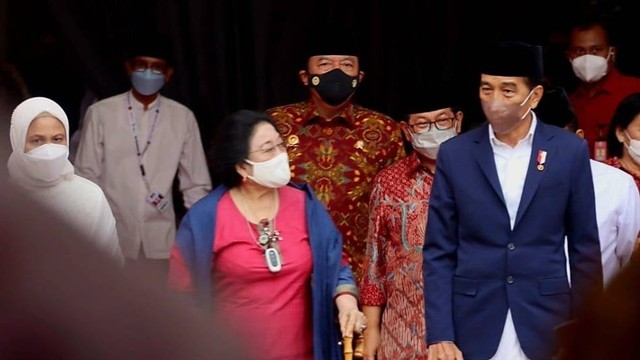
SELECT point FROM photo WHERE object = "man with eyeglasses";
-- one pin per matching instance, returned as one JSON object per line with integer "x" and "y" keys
{"x": 602, "y": 86}
{"x": 132, "y": 145}
{"x": 391, "y": 289}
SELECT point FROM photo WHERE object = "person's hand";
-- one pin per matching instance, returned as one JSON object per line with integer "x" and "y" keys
{"x": 351, "y": 320}
{"x": 371, "y": 342}
{"x": 444, "y": 351}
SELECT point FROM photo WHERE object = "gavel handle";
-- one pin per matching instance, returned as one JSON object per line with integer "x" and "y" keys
{"x": 358, "y": 352}
{"x": 348, "y": 347}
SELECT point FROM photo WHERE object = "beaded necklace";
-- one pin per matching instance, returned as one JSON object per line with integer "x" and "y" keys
{"x": 266, "y": 236}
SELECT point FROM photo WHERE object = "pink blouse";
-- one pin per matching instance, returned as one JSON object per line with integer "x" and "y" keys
{"x": 270, "y": 311}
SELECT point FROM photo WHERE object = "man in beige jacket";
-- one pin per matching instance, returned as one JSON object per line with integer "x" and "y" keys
{"x": 132, "y": 145}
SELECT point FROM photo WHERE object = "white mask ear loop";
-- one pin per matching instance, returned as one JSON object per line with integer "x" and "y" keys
{"x": 527, "y": 98}
{"x": 611, "y": 55}
{"x": 628, "y": 137}
{"x": 524, "y": 101}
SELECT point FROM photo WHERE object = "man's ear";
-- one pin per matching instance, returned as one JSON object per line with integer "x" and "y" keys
{"x": 405, "y": 130}
{"x": 567, "y": 55}
{"x": 580, "y": 133}
{"x": 304, "y": 77}
{"x": 360, "y": 76}
{"x": 538, "y": 92}
{"x": 128, "y": 68}
{"x": 612, "y": 53}
{"x": 168, "y": 74}
{"x": 459, "y": 116}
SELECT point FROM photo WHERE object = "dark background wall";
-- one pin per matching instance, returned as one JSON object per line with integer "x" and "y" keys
{"x": 243, "y": 53}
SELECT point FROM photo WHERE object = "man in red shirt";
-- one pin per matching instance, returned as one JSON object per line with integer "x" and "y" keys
{"x": 602, "y": 86}
{"x": 335, "y": 145}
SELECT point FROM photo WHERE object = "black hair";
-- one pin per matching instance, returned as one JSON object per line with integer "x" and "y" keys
{"x": 590, "y": 18}
{"x": 231, "y": 144}
{"x": 626, "y": 111}
{"x": 534, "y": 81}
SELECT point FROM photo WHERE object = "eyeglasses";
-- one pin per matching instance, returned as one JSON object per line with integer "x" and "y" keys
{"x": 156, "y": 67}
{"x": 272, "y": 149}
{"x": 440, "y": 124}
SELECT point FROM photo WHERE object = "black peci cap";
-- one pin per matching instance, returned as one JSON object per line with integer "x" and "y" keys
{"x": 513, "y": 58}
{"x": 332, "y": 38}
{"x": 434, "y": 95}
{"x": 149, "y": 44}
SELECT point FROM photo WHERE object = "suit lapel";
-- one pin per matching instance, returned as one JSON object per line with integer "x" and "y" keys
{"x": 534, "y": 174}
{"x": 486, "y": 161}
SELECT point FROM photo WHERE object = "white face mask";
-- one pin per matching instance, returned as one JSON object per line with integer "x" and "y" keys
{"x": 428, "y": 143}
{"x": 47, "y": 162}
{"x": 633, "y": 148}
{"x": 590, "y": 68}
{"x": 272, "y": 173}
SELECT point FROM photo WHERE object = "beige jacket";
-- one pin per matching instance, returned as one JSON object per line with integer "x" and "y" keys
{"x": 107, "y": 156}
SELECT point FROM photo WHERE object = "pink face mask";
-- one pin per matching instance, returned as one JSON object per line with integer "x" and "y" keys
{"x": 504, "y": 116}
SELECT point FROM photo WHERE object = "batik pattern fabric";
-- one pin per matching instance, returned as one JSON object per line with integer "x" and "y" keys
{"x": 339, "y": 157}
{"x": 393, "y": 261}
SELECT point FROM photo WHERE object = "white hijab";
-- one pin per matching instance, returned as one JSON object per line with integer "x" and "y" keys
{"x": 29, "y": 171}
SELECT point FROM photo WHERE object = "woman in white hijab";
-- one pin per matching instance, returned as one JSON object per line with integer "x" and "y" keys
{"x": 39, "y": 164}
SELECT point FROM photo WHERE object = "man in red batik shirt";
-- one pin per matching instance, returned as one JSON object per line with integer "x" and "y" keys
{"x": 335, "y": 145}
{"x": 391, "y": 290}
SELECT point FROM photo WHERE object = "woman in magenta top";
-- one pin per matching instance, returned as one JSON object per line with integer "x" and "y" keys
{"x": 265, "y": 252}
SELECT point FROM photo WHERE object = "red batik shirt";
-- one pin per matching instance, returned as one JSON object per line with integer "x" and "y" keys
{"x": 392, "y": 276}
{"x": 339, "y": 158}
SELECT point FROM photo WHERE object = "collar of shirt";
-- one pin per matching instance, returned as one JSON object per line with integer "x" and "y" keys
{"x": 528, "y": 139}
{"x": 346, "y": 116}
{"x": 415, "y": 165}
{"x": 138, "y": 106}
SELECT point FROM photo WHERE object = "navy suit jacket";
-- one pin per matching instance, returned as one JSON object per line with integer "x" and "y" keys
{"x": 476, "y": 267}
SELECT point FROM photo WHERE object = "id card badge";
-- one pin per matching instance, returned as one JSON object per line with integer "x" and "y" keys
{"x": 158, "y": 201}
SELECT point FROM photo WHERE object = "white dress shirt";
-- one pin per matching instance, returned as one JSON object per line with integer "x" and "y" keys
{"x": 512, "y": 164}
{"x": 618, "y": 217}
{"x": 107, "y": 156}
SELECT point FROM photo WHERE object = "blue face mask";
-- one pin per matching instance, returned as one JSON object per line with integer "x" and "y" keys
{"x": 147, "y": 82}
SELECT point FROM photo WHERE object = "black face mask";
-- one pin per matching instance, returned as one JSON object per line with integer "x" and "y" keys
{"x": 334, "y": 87}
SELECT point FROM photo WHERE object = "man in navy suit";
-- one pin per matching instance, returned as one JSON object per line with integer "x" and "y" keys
{"x": 504, "y": 196}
